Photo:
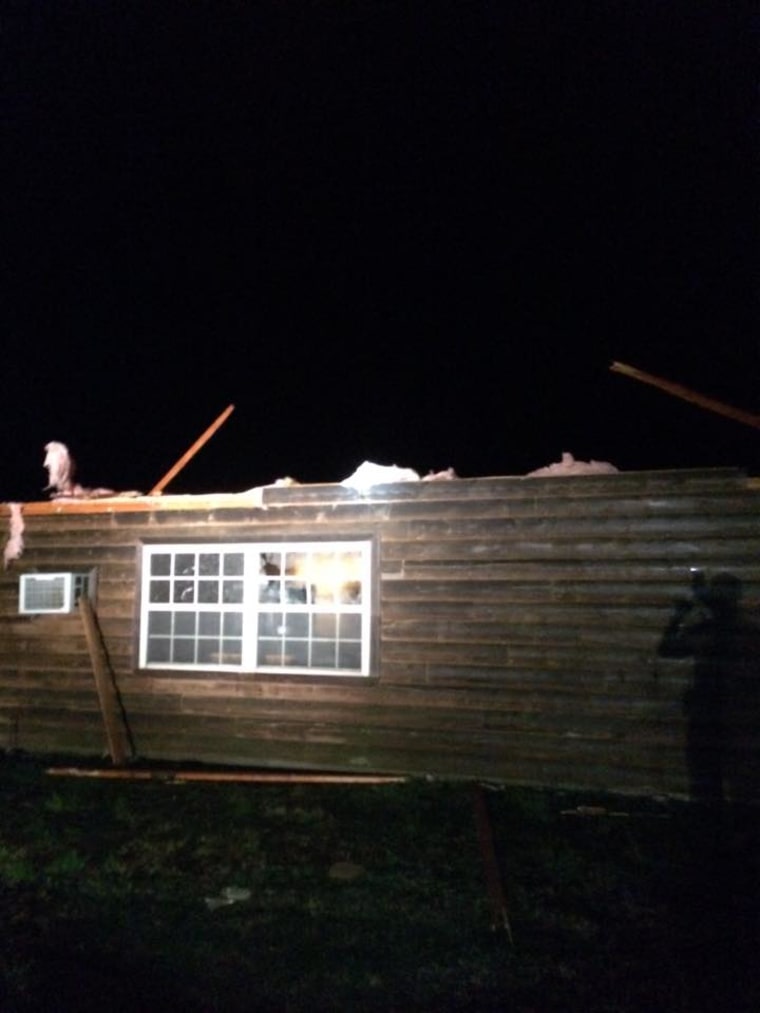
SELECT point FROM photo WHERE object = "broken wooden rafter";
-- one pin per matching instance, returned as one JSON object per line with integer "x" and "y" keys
{"x": 686, "y": 394}
{"x": 192, "y": 451}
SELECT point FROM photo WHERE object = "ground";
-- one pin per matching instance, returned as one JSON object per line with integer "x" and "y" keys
{"x": 152, "y": 895}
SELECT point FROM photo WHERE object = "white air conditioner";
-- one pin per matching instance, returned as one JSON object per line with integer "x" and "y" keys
{"x": 54, "y": 592}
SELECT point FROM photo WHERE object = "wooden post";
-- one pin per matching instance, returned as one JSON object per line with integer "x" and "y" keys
{"x": 678, "y": 390}
{"x": 204, "y": 438}
{"x": 500, "y": 917}
{"x": 110, "y": 705}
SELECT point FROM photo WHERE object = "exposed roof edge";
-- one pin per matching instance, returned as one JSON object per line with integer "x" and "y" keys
{"x": 267, "y": 497}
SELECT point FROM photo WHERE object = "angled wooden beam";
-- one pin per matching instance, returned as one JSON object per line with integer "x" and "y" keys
{"x": 678, "y": 390}
{"x": 117, "y": 734}
{"x": 499, "y": 914}
{"x": 189, "y": 454}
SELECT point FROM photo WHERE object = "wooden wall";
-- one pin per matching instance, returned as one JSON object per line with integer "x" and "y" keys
{"x": 518, "y": 627}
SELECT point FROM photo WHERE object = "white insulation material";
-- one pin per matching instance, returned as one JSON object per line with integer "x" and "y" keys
{"x": 569, "y": 466}
{"x": 14, "y": 547}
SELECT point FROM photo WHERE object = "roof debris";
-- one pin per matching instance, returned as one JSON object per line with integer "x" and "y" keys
{"x": 61, "y": 469}
{"x": 14, "y": 547}
{"x": 440, "y": 476}
{"x": 569, "y": 466}
{"x": 369, "y": 474}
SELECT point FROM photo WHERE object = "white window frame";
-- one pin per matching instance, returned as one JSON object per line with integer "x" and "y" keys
{"x": 247, "y": 632}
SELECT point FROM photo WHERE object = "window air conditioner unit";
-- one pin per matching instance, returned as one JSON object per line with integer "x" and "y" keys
{"x": 54, "y": 592}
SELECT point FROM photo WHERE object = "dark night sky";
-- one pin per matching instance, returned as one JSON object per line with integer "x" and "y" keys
{"x": 414, "y": 232}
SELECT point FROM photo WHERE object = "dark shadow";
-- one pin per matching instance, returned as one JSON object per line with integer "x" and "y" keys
{"x": 716, "y": 884}
{"x": 722, "y": 704}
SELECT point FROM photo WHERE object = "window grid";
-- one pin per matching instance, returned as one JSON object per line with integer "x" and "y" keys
{"x": 295, "y": 607}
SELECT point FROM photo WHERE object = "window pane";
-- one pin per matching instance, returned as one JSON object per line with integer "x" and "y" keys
{"x": 297, "y": 625}
{"x": 233, "y": 564}
{"x": 350, "y": 656}
{"x": 208, "y": 564}
{"x": 296, "y": 653}
{"x": 158, "y": 650}
{"x": 183, "y": 650}
{"x": 232, "y": 652}
{"x": 233, "y": 624}
{"x": 351, "y": 593}
{"x": 323, "y": 654}
{"x": 350, "y": 627}
{"x": 295, "y": 564}
{"x": 268, "y": 653}
{"x": 208, "y": 591}
{"x": 270, "y": 592}
{"x": 184, "y": 624}
{"x": 325, "y": 626}
{"x": 323, "y": 594}
{"x": 184, "y": 591}
{"x": 159, "y": 623}
{"x": 270, "y": 624}
{"x": 160, "y": 565}
{"x": 209, "y": 624}
{"x": 295, "y": 593}
{"x": 233, "y": 592}
{"x": 208, "y": 652}
{"x": 184, "y": 564}
{"x": 270, "y": 564}
{"x": 159, "y": 591}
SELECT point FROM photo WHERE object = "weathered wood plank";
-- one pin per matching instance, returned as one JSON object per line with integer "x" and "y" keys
{"x": 666, "y": 677}
{"x": 559, "y": 530}
{"x": 544, "y": 613}
{"x": 637, "y": 594}
{"x": 614, "y": 505}
{"x": 519, "y": 548}
{"x": 507, "y": 656}
{"x": 552, "y": 572}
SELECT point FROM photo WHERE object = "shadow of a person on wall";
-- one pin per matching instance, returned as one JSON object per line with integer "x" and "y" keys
{"x": 696, "y": 631}
{"x": 722, "y": 704}
{"x": 717, "y": 884}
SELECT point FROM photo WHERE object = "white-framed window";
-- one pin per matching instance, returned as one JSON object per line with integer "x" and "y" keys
{"x": 296, "y": 607}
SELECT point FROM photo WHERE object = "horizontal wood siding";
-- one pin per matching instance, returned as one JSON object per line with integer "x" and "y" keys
{"x": 518, "y": 628}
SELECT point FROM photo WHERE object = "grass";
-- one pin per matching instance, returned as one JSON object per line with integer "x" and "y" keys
{"x": 109, "y": 891}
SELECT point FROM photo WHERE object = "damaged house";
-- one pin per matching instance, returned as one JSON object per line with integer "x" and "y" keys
{"x": 549, "y": 630}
